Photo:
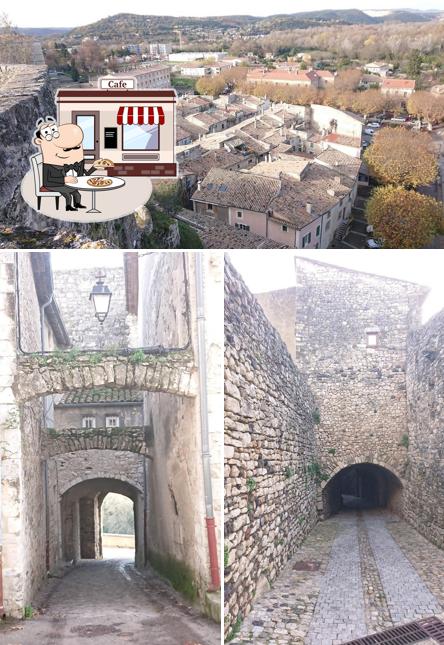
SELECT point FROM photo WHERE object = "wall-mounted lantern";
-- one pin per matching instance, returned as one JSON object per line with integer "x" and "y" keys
{"x": 101, "y": 297}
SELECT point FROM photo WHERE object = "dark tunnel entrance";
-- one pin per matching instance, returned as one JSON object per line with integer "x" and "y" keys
{"x": 362, "y": 486}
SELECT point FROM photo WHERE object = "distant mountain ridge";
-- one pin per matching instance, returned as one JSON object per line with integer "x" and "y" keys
{"x": 125, "y": 26}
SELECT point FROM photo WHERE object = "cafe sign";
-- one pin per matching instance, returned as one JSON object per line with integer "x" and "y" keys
{"x": 115, "y": 83}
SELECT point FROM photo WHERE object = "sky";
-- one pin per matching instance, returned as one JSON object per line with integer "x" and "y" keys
{"x": 61, "y": 260}
{"x": 270, "y": 270}
{"x": 58, "y": 14}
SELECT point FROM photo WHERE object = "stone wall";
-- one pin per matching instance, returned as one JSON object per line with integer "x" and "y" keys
{"x": 72, "y": 289}
{"x": 270, "y": 495}
{"x": 280, "y": 307}
{"x": 360, "y": 389}
{"x": 177, "y": 537}
{"x": 424, "y": 497}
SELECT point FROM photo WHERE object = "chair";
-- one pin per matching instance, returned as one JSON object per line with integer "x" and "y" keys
{"x": 36, "y": 165}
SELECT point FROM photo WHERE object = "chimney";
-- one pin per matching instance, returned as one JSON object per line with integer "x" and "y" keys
{"x": 199, "y": 184}
{"x": 331, "y": 192}
{"x": 308, "y": 207}
{"x": 337, "y": 179}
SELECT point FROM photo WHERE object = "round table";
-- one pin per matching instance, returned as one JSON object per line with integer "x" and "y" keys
{"x": 82, "y": 184}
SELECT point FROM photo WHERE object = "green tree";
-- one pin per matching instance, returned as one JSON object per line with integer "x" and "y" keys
{"x": 402, "y": 218}
{"x": 414, "y": 64}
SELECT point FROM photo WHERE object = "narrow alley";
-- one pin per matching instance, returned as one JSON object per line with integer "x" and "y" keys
{"x": 110, "y": 602}
{"x": 358, "y": 572}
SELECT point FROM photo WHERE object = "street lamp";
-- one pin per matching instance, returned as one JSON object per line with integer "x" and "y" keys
{"x": 101, "y": 297}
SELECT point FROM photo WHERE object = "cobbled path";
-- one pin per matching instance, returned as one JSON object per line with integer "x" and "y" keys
{"x": 372, "y": 571}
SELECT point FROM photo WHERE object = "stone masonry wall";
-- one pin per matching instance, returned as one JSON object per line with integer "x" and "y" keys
{"x": 360, "y": 390}
{"x": 280, "y": 308}
{"x": 270, "y": 497}
{"x": 72, "y": 289}
{"x": 424, "y": 503}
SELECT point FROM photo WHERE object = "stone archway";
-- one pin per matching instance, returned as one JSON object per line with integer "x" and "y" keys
{"x": 172, "y": 372}
{"x": 80, "y": 509}
{"x": 362, "y": 485}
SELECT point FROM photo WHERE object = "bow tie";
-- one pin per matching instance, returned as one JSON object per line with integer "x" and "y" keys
{"x": 74, "y": 166}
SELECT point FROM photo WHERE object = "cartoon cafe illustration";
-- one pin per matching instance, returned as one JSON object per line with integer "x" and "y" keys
{"x": 135, "y": 129}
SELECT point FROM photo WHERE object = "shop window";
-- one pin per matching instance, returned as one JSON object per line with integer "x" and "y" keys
{"x": 140, "y": 137}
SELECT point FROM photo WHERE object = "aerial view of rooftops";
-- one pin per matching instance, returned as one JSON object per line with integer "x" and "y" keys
{"x": 316, "y": 129}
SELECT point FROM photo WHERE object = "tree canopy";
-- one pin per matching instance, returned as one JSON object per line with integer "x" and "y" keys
{"x": 404, "y": 219}
{"x": 402, "y": 157}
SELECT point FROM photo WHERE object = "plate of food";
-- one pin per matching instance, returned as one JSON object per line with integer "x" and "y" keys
{"x": 99, "y": 182}
{"x": 103, "y": 163}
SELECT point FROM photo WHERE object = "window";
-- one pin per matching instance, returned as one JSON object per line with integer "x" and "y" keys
{"x": 318, "y": 230}
{"x": 87, "y": 123}
{"x": 372, "y": 336}
{"x": 209, "y": 207}
{"x": 88, "y": 422}
{"x": 284, "y": 228}
{"x": 112, "y": 422}
{"x": 140, "y": 137}
{"x": 327, "y": 226}
{"x": 306, "y": 240}
{"x": 242, "y": 227}
{"x": 239, "y": 214}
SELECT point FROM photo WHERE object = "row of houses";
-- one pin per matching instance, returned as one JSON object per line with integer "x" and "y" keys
{"x": 288, "y": 174}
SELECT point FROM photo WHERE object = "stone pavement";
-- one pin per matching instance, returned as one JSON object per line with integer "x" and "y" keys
{"x": 356, "y": 574}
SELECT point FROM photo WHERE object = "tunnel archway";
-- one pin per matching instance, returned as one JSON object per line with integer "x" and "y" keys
{"x": 362, "y": 486}
{"x": 81, "y": 507}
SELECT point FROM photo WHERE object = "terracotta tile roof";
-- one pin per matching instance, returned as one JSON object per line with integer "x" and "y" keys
{"x": 250, "y": 142}
{"x": 218, "y": 158}
{"x": 398, "y": 83}
{"x": 281, "y": 75}
{"x": 339, "y": 161}
{"x": 209, "y": 118}
{"x": 324, "y": 73}
{"x": 192, "y": 128}
{"x": 239, "y": 189}
{"x": 181, "y": 134}
{"x": 288, "y": 164}
{"x": 101, "y": 395}
{"x": 342, "y": 140}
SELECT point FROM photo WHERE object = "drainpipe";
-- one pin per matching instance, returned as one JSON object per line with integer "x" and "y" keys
{"x": 45, "y": 410}
{"x": 206, "y": 456}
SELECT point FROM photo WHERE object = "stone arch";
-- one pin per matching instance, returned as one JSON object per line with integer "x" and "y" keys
{"x": 40, "y": 375}
{"x": 362, "y": 484}
{"x": 80, "y": 507}
{"x": 100, "y": 474}
{"x": 134, "y": 439}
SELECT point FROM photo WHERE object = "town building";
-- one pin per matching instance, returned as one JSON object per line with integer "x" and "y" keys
{"x": 183, "y": 57}
{"x": 152, "y": 76}
{"x": 160, "y": 50}
{"x": 318, "y": 79}
{"x": 295, "y": 201}
{"x": 379, "y": 68}
{"x": 402, "y": 87}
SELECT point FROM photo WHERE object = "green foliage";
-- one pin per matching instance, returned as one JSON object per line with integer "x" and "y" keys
{"x": 251, "y": 484}
{"x": 189, "y": 238}
{"x": 315, "y": 471}
{"x": 28, "y": 611}
{"x": 137, "y": 357}
{"x": 118, "y": 514}
{"x": 331, "y": 451}
{"x": 288, "y": 472}
{"x": 316, "y": 416}
{"x": 235, "y": 629}
{"x": 177, "y": 572}
{"x": 301, "y": 520}
{"x": 405, "y": 440}
{"x": 226, "y": 554}
{"x": 167, "y": 196}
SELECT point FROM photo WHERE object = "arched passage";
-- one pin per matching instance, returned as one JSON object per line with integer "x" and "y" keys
{"x": 362, "y": 486}
{"x": 81, "y": 518}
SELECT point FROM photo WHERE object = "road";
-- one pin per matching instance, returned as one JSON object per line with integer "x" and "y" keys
{"x": 108, "y": 602}
{"x": 357, "y": 573}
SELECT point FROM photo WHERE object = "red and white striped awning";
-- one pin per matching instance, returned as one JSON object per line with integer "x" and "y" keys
{"x": 140, "y": 115}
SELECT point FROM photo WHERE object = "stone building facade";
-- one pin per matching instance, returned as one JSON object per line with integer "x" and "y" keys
{"x": 374, "y": 376}
{"x": 270, "y": 491}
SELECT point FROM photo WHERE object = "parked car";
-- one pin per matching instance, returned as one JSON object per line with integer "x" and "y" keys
{"x": 369, "y": 131}
{"x": 373, "y": 124}
{"x": 399, "y": 119}
{"x": 365, "y": 144}
{"x": 371, "y": 243}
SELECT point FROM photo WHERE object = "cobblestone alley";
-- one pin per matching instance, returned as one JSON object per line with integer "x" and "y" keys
{"x": 356, "y": 573}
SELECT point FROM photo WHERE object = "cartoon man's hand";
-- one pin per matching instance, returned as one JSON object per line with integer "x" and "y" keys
{"x": 70, "y": 180}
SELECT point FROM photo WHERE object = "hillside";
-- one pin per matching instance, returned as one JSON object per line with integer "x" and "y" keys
{"x": 129, "y": 27}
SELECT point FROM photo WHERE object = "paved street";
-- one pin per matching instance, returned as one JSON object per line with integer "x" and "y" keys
{"x": 108, "y": 602}
{"x": 356, "y": 574}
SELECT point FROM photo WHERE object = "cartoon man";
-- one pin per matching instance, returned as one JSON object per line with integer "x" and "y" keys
{"x": 63, "y": 160}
